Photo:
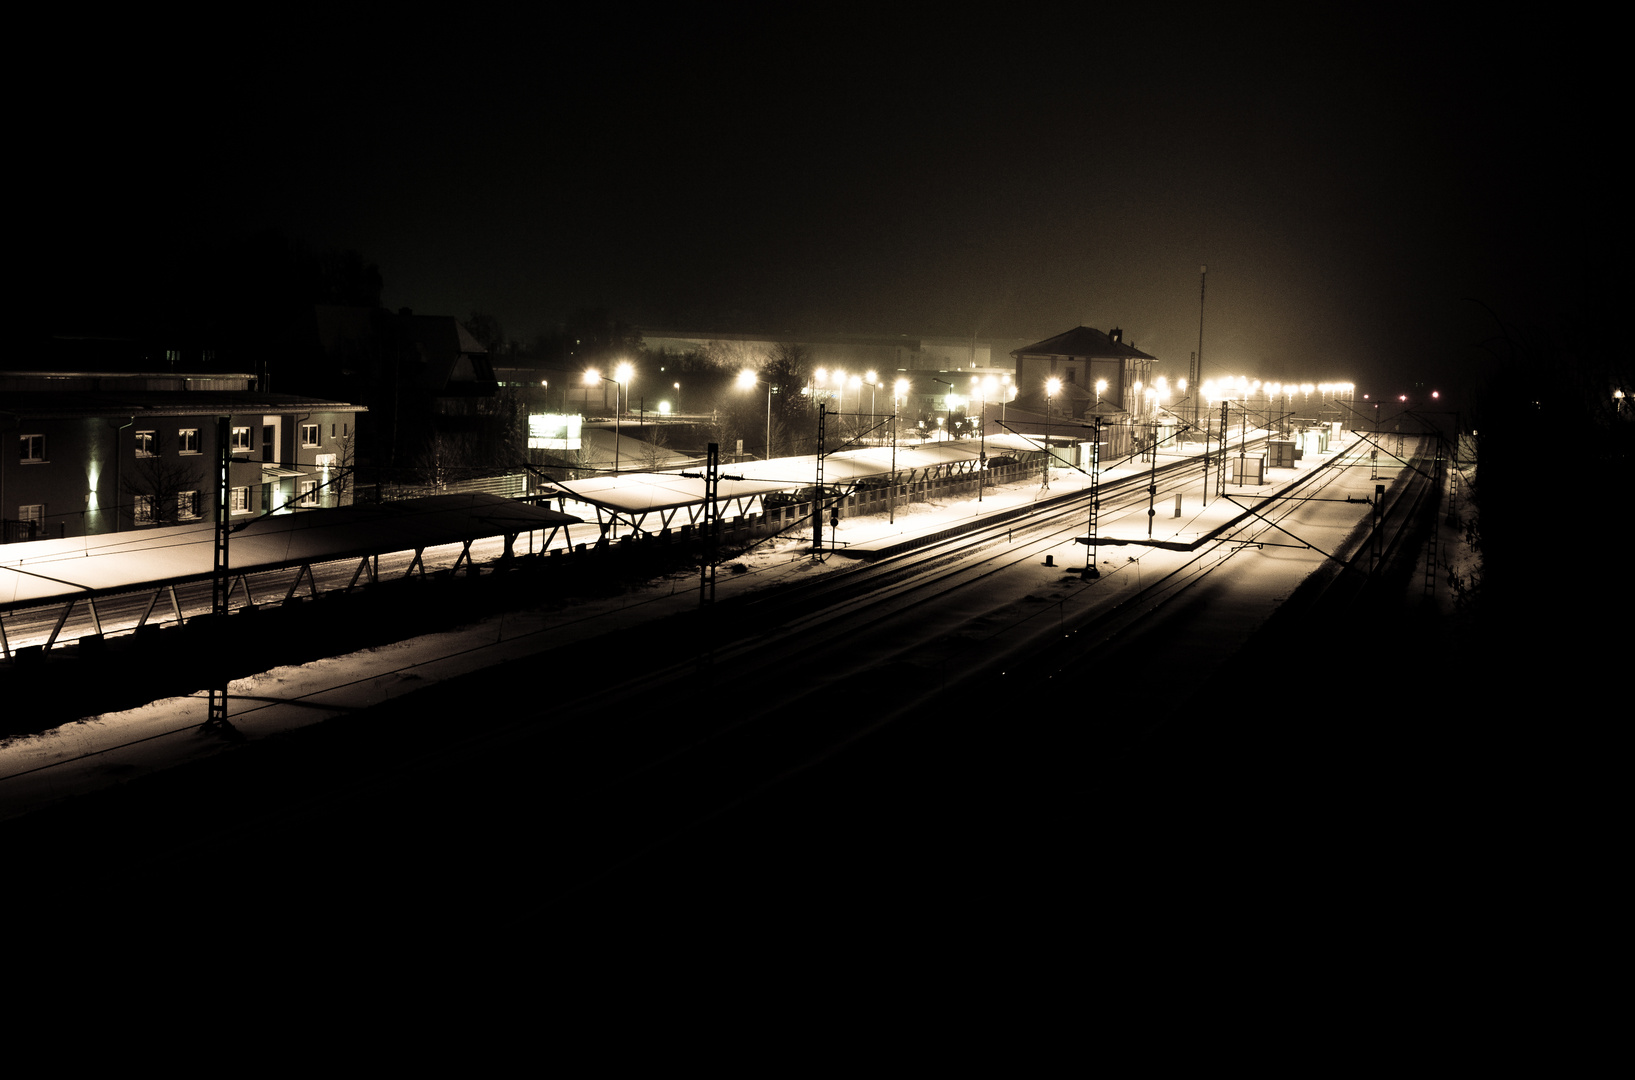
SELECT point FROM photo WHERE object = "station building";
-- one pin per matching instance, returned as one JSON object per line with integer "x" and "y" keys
{"x": 1081, "y": 358}
{"x": 112, "y": 451}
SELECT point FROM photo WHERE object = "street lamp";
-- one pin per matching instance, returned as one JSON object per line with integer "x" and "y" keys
{"x": 983, "y": 387}
{"x": 1051, "y": 387}
{"x": 747, "y": 380}
{"x": 622, "y": 375}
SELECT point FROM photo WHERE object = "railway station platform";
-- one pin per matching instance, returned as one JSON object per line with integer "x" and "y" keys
{"x": 1184, "y": 513}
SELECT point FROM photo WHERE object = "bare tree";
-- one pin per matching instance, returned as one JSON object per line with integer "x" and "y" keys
{"x": 786, "y": 372}
{"x": 653, "y": 454}
{"x": 164, "y": 487}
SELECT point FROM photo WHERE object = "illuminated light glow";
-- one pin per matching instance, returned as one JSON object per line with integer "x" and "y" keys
{"x": 623, "y": 373}
{"x": 664, "y": 408}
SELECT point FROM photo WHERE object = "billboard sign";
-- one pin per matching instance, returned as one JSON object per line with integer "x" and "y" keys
{"x": 554, "y": 431}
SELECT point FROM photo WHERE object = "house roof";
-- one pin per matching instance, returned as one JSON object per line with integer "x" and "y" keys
{"x": 70, "y": 405}
{"x": 1085, "y": 341}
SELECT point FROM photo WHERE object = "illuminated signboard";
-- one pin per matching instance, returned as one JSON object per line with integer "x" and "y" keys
{"x": 553, "y": 431}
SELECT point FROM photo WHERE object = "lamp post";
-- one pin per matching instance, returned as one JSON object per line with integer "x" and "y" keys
{"x": 947, "y": 408}
{"x": 1051, "y": 386}
{"x": 746, "y": 380}
{"x": 984, "y": 385}
{"x": 622, "y": 375}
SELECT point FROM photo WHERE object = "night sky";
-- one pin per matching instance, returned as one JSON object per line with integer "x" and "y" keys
{"x": 1350, "y": 179}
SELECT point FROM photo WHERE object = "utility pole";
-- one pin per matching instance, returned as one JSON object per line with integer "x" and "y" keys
{"x": 1198, "y": 374}
{"x": 1090, "y": 568}
{"x": 891, "y": 502}
{"x": 1226, "y": 418}
{"x": 817, "y": 501}
{"x": 220, "y": 584}
{"x": 1152, "y": 481}
{"x": 712, "y": 525}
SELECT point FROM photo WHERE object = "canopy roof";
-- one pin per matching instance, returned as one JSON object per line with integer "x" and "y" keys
{"x": 46, "y": 570}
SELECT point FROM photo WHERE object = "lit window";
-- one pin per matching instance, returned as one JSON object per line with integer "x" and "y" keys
{"x": 187, "y": 505}
{"x": 33, "y": 448}
{"x": 241, "y": 498}
{"x": 308, "y": 493}
{"x": 309, "y": 434}
{"x": 144, "y": 443}
{"x": 187, "y": 440}
{"x": 32, "y": 515}
{"x": 241, "y": 438}
{"x": 144, "y": 509}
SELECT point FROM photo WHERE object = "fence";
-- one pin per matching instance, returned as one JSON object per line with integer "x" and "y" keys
{"x": 509, "y": 486}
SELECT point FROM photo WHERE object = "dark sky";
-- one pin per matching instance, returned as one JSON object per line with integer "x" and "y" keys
{"x": 1349, "y": 179}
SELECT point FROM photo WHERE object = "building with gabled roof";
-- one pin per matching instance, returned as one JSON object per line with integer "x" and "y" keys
{"x": 430, "y": 386}
{"x": 1080, "y": 358}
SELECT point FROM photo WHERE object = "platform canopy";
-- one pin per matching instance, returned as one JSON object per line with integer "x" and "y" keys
{"x": 640, "y": 493}
{"x": 637, "y": 493}
{"x": 44, "y": 571}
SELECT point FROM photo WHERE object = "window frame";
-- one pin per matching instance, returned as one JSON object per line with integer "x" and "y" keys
{"x": 316, "y": 439}
{"x": 31, "y": 449}
{"x": 241, "y": 440}
{"x": 187, "y": 441}
{"x": 146, "y": 442}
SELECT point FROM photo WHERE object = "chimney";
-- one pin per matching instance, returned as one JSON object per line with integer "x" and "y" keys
{"x": 1116, "y": 334}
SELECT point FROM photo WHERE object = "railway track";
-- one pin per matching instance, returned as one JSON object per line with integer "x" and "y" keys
{"x": 626, "y": 771}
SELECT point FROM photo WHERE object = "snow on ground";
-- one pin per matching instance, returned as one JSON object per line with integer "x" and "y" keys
{"x": 99, "y": 751}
